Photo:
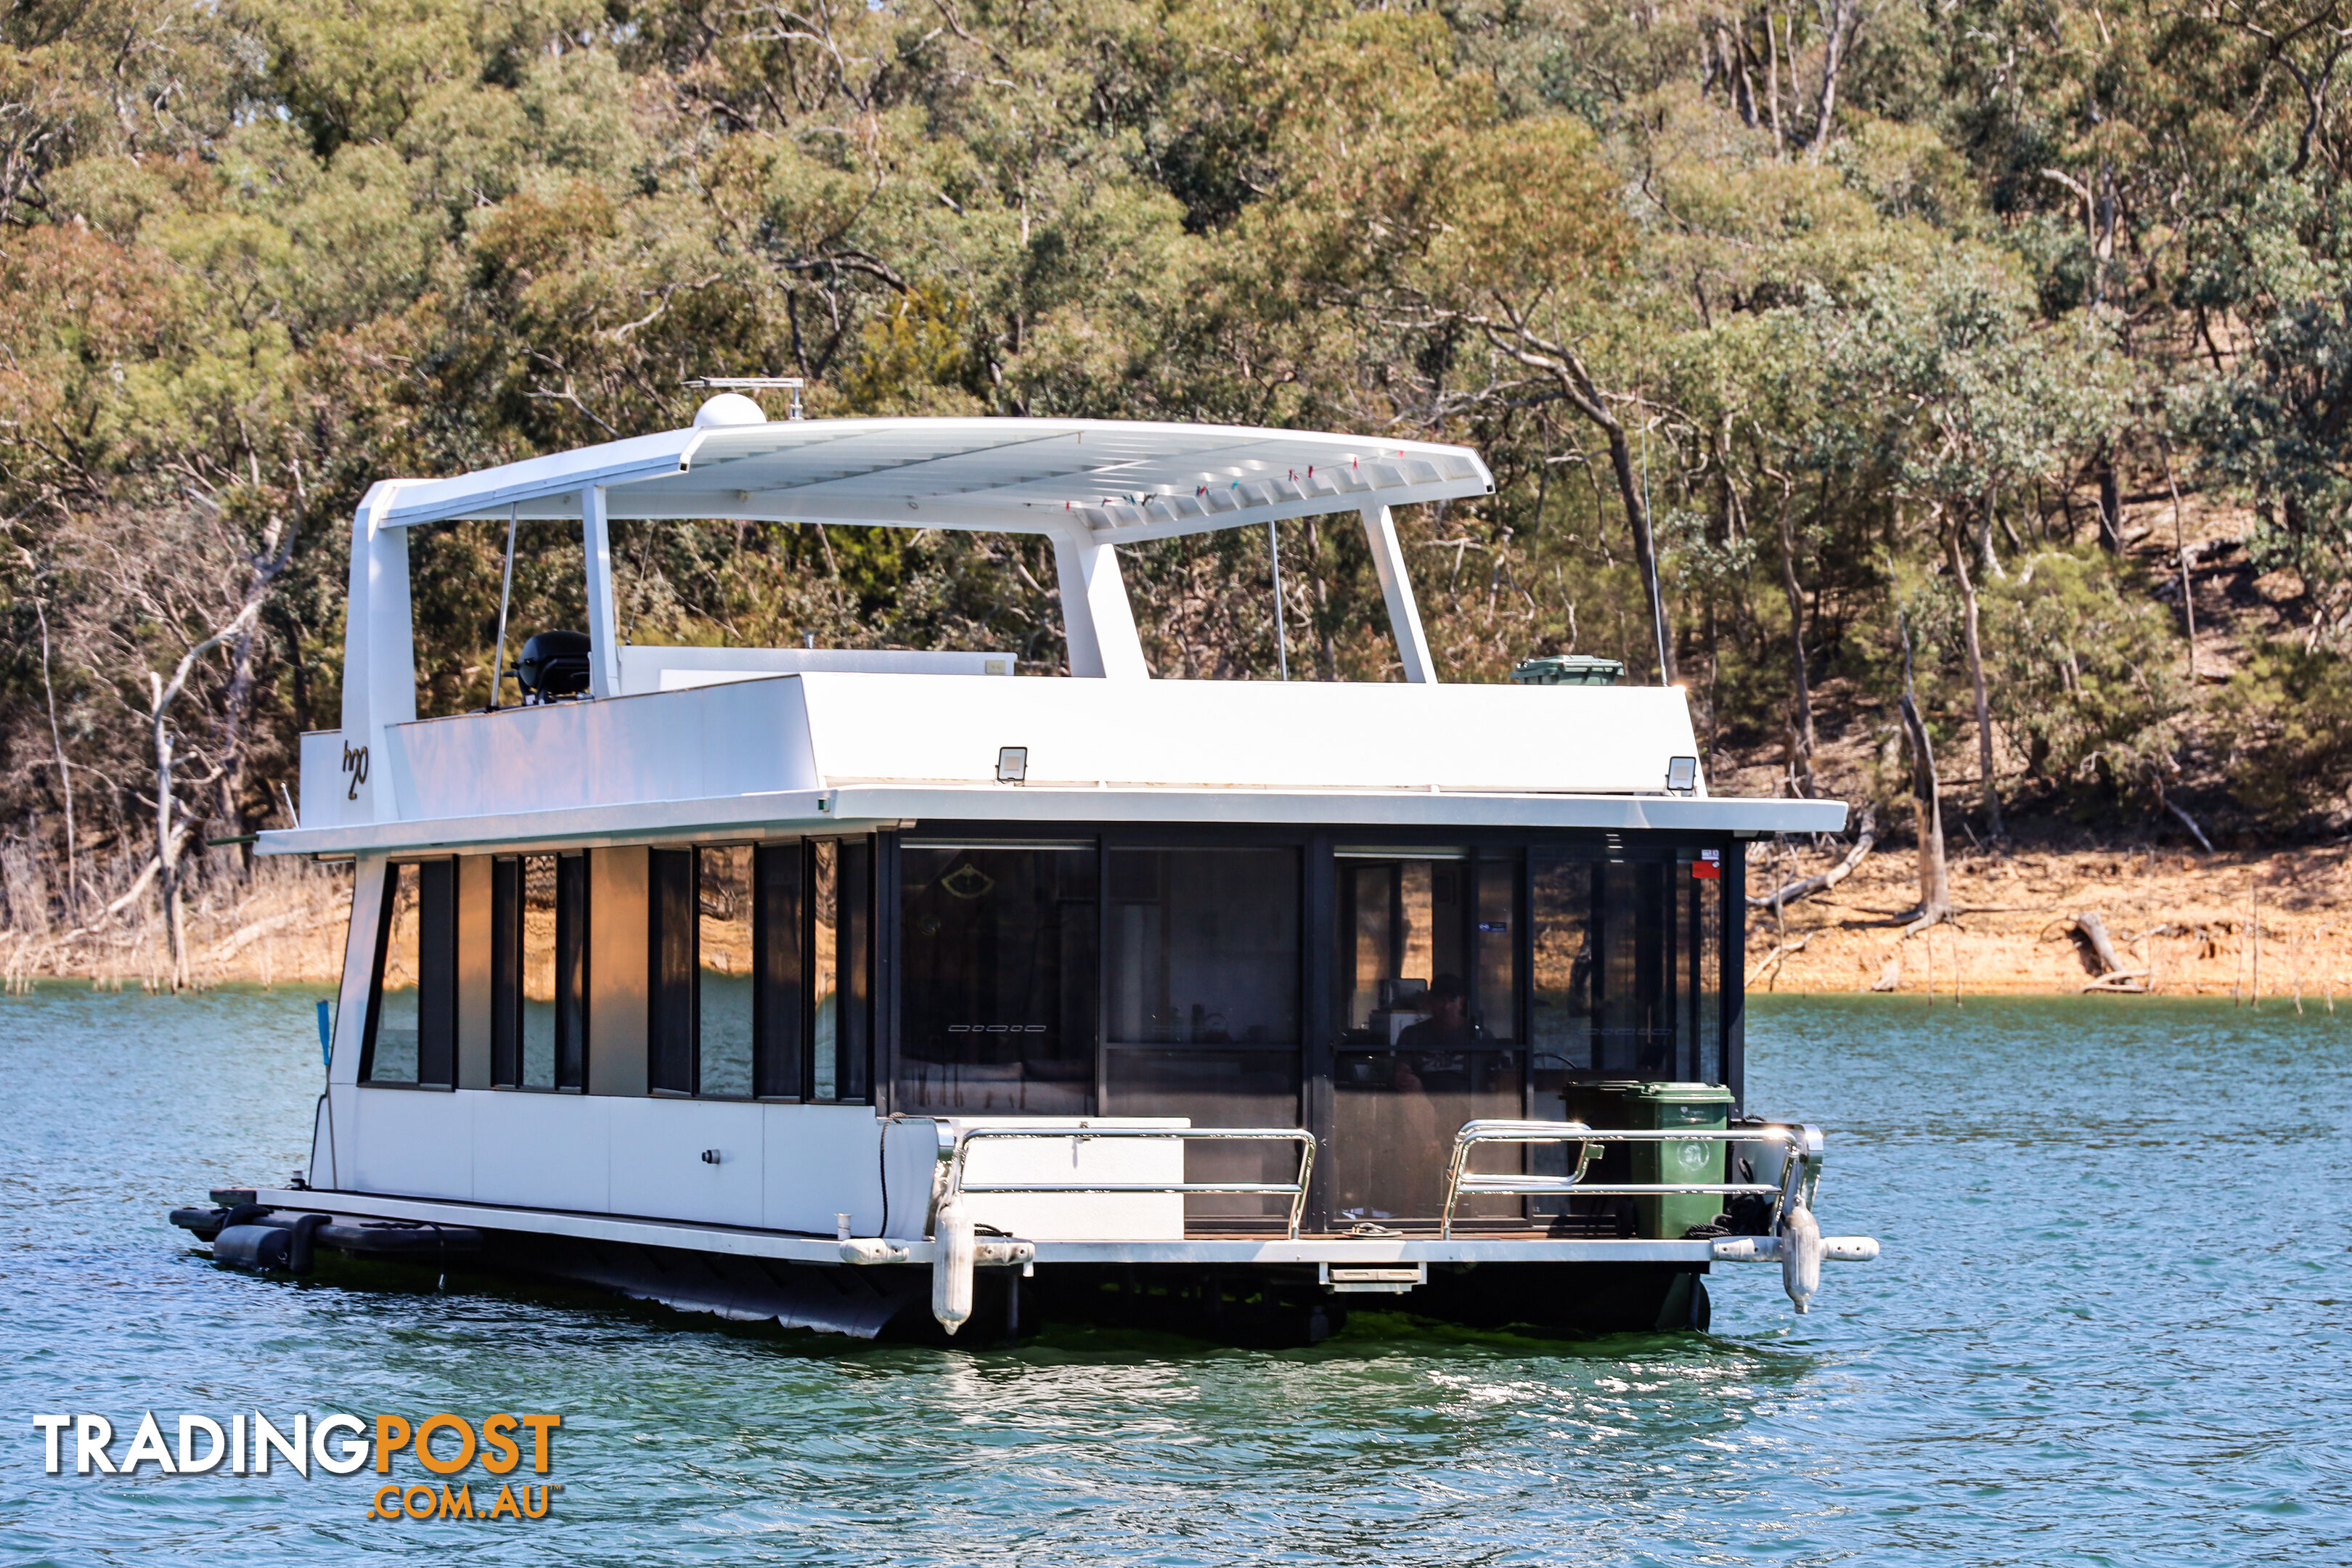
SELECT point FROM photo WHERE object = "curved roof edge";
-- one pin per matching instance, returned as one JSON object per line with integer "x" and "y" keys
{"x": 1113, "y": 480}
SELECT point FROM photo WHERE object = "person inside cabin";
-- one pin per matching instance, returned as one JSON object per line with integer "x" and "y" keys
{"x": 1446, "y": 1028}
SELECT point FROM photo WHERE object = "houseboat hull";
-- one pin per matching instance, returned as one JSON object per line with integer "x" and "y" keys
{"x": 1269, "y": 1291}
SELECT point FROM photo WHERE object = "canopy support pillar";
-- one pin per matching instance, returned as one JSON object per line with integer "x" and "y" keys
{"x": 603, "y": 633}
{"x": 1404, "y": 616}
{"x": 379, "y": 659}
{"x": 1098, "y": 622}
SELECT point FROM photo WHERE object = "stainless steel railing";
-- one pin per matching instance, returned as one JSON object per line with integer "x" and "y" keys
{"x": 955, "y": 1149}
{"x": 1799, "y": 1174}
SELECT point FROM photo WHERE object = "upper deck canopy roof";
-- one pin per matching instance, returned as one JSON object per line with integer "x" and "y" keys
{"x": 1116, "y": 480}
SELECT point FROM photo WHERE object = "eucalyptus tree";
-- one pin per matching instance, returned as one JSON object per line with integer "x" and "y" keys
{"x": 1948, "y": 384}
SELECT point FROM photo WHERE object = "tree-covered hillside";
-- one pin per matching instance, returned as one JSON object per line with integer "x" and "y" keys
{"x": 1903, "y": 335}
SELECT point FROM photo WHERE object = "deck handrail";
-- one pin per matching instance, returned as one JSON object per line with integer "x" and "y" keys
{"x": 1800, "y": 1175}
{"x": 955, "y": 1147}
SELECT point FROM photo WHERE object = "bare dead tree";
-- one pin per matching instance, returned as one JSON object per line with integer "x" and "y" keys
{"x": 1840, "y": 19}
{"x": 1934, "y": 885}
{"x": 1796, "y": 595}
{"x": 65, "y": 770}
{"x": 177, "y": 593}
{"x": 1514, "y": 336}
{"x": 1956, "y": 556}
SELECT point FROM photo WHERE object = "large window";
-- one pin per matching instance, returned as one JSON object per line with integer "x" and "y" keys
{"x": 780, "y": 989}
{"x": 539, "y": 972}
{"x": 841, "y": 970}
{"x": 1628, "y": 960}
{"x": 1204, "y": 989}
{"x": 1428, "y": 1018}
{"x": 997, "y": 954}
{"x": 732, "y": 941}
{"x": 412, "y": 1023}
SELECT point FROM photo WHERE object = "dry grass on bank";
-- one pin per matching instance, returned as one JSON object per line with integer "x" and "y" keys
{"x": 2188, "y": 921}
{"x": 280, "y": 923}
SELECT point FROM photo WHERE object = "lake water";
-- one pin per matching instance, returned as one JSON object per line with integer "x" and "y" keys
{"x": 2110, "y": 1327}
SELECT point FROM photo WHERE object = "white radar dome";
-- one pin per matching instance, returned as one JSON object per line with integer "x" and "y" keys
{"x": 727, "y": 408}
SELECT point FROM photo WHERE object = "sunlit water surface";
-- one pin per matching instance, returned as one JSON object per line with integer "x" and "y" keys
{"x": 2110, "y": 1327}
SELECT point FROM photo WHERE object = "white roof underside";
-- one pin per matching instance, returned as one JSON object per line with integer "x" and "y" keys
{"x": 1113, "y": 480}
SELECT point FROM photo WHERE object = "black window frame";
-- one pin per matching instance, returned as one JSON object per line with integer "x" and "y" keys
{"x": 784, "y": 937}
{"x": 673, "y": 985}
{"x": 509, "y": 879}
{"x": 1510, "y": 847}
{"x": 860, "y": 900}
{"x": 436, "y": 971}
{"x": 779, "y": 991}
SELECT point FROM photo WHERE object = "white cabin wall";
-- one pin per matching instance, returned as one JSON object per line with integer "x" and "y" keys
{"x": 788, "y": 1167}
{"x": 825, "y": 1159}
{"x": 658, "y": 1168}
{"x": 533, "y": 1149}
{"x": 418, "y": 1143}
{"x": 1071, "y": 1216}
{"x": 619, "y": 924}
{"x": 911, "y": 1164}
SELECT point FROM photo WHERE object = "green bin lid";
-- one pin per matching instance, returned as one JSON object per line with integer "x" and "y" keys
{"x": 1568, "y": 669}
{"x": 1683, "y": 1093}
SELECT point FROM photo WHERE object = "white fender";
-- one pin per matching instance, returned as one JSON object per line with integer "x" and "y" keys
{"x": 1800, "y": 1256}
{"x": 951, "y": 1264}
{"x": 1766, "y": 1248}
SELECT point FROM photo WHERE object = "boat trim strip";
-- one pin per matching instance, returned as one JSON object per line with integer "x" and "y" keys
{"x": 741, "y": 1242}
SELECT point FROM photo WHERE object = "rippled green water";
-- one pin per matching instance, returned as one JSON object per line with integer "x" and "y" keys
{"x": 2110, "y": 1327}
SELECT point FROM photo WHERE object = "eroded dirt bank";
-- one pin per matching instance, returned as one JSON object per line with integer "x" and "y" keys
{"x": 2186, "y": 923}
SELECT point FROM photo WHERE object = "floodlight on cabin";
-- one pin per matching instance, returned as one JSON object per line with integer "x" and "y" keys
{"x": 1012, "y": 764}
{"x": 1682, "y": 774}
{"x": 793, "y": 383}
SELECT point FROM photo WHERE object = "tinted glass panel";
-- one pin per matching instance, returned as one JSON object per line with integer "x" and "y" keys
{"x": 998, "y": 977}
{"x": 670, "y": 972}
{"x": 779, "y": 990}
{"x": 1706, "y": 888}
{"x": 571, "y": 971}
{"x": 1203, "y": 947}
{"x": 524, "y": 1007}
{"x": 413, "y": 1016}
{"x": 724, "y": 953}
{"x": 1414, "y": 1061}
{"x": 1205, "y": 1006}
{"x": 1628, "y": 979}
{"x": 393, "y": 1023}
{"x": 1495, "y": 973}
{"x": 853, "y": 1071}
{"x": 506, "y": 972}
{"x": 824, "y": 968}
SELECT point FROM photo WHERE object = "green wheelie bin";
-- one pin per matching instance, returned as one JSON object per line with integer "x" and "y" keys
{"x": 1665, "y": 1106}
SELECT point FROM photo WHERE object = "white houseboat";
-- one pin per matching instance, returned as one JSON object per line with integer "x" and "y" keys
{"x": 886, "y": 991}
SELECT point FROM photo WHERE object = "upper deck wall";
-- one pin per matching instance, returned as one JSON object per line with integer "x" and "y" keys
{"x": 737, "y": 738}
{"x": 1300, "y": 735}
{"x": 819, "y": 731}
